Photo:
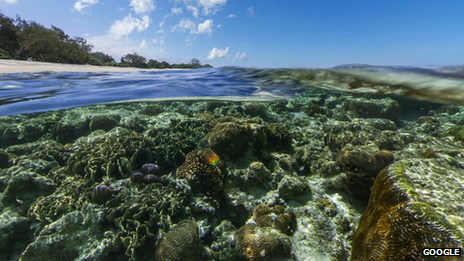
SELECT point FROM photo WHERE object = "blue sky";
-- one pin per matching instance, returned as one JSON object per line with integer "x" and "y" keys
{"x": 261, "y": 33}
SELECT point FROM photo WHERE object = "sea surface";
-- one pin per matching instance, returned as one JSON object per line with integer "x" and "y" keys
{"x": 22, "y": 93}
{"x": 231, "y": 164}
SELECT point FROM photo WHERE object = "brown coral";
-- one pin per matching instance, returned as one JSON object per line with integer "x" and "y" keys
{"x": 408, "y": 212}
{"x": 260, "y": 244}
{"x": 202, "y": 170}
{"x": 284, "y": 222}
{"x": 228, "y": 138}
{"x": 181, "y": 243}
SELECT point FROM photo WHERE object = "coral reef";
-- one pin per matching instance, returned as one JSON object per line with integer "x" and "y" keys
{"x": 114, "y": 155}
{"x": 414, "y": 204}
{"x": 152, "y": 110}
{"x": 225, "y": 164}
{"x": 361, "y": 165}
{"x": 264, "y": 216}
{"x": 181, "y": 243}
{"x": 385, "y": 108}
{"x": 102, "y": 122}
{"x": 202, "y": 171}
{"x": 263, "y": 243}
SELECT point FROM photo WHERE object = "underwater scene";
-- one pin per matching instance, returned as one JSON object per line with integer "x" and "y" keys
{"x": 355, "y": 162}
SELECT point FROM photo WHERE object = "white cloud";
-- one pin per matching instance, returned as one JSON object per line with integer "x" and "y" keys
{"x": 154, "y": 41}
{"x": 127, "y": 25}
{"x": 10, "y": 1}
{"x": 144, "y": 23}
{"x": 217, "y": 53}
{"x": 143, "y": 6}
{"x": 194, "y": 10}
{"x": 143, "y": 44}
{"x": 104, "y": 43}
{"x": 176, "y": 11}
{"x": 219, "y": 25}
{"x": 79, "y": 5}
{"x": 231, "y": 15}
{"x": 205, "y": 27}
{"x": 161, "y": 30}
{"x": 184, "y": 25}
{"x": 211, "y": 6}
{"x": 240, "y": 57}
{"x": 251, "y": 11}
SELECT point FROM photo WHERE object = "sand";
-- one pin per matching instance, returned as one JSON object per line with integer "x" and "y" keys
{"x": 16, "y": 66}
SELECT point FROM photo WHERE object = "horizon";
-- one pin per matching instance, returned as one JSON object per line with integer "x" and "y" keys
{"x": 260, "y": 34}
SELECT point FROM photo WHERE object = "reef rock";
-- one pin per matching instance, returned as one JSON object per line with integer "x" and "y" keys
{"x": 264, "y": 216}
{"x": 383, "y": 108}
{"x": 361, "y": 165}
{"x": 414, "y": 204}
{"x": 263, "y": 243}
{"x": 25, "y": 187}
{"x": 181, "y": 243}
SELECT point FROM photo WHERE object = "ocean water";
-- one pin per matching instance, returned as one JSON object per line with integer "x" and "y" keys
{"x": 232, "y": 146}
{"x": 22, "y": 93}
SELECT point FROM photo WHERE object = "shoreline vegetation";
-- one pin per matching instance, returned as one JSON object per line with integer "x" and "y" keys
{"x": 22, "y": 40}
{"x": 18, "y": 66}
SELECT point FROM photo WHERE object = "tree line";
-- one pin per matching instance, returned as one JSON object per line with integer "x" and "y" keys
{"x": 29, "y": 40}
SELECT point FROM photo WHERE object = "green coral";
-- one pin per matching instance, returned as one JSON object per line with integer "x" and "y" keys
{"x": 111, "y": 157}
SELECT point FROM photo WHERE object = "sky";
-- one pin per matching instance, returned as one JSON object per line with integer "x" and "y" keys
{"x": 261, "y": 33}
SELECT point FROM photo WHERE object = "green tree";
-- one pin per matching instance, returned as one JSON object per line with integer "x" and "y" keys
{"x": 153, "y": 63}
{"x": 49, "y": 45}
{"x": 195, "y": 62}
{"x": 135, "y": 60}
{"x": 165, "y": 65}
{"x": 105, "y": 58}
{"x": 8, "y": 35}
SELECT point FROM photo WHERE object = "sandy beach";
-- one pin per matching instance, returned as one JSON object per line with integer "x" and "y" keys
{"x": 16, "y": 66}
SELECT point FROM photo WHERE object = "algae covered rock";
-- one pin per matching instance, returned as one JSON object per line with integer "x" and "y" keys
{"x": 181, "y": 243}
{"x": 75, "y": 236}
{"x": 414, "y": 204}
{"x": 361, "y": 165}
{"x": 294, "y": 187}
{"x": 15, "y": 234}
{"x": 152, "y": 110}
{"x": 384, "y": 108}
{"x": 25, "y": 187}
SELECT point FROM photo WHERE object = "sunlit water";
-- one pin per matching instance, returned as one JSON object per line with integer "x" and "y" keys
{"x": 47, "y": 91}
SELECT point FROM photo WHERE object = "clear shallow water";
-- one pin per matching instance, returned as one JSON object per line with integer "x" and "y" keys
{"x": 37, "y": 92}
{"x": 283, "y": 152}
